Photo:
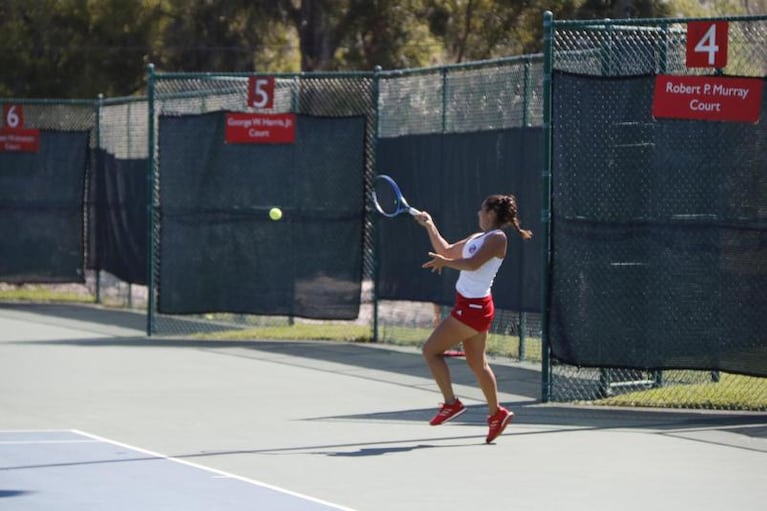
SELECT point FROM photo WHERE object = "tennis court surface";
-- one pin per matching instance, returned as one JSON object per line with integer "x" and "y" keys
{"x": 75, "y": 470}
{"x": 93, "y": 415}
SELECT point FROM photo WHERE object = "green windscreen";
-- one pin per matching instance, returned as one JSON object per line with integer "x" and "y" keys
{"x": 658, "y": 233}
{"x": 220, "y": 251}
{"x": 41, "y": 210}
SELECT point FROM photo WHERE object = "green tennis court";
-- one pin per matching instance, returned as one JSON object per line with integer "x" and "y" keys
{"x": 329, "y": 424}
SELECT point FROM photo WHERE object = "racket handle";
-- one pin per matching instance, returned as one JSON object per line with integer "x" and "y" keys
{"x": 413, "y": 211}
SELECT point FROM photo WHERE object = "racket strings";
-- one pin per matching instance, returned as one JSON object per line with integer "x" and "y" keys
{"x": 386, "y": 197}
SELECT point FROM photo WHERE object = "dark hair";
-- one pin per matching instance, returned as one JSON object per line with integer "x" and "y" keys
{"x": 505, "y": 207}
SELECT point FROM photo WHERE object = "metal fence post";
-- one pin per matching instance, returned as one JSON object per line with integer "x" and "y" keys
{"x": 150, "y": 206}
{"x": 99, "y": 107}
{"x": 374, "y": 222}
{"x": 548, "y": 32}
{"x": 525, "y": 113}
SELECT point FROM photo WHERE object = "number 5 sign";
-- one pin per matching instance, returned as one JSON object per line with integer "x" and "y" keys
{"x": 260, "y": 92}
{"x": 707, "y": 44}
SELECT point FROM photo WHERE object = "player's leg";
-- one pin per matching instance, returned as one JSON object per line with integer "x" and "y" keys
{"x": 498, "y": 417}
{"x": 474, "y": 349}
{"x": 447, "y": 334}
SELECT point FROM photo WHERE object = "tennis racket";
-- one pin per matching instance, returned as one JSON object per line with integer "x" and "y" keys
{"x": 388, "y": 198}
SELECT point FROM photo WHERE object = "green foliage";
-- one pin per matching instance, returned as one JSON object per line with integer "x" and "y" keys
{"x": 73, "y": 48}
{"x": 80, "y": 48}
{"x": 694, "y": 8}
{"x": 392, "y": 35}
{"x": 615, "y": 9}
{"x": 204, "y": 36}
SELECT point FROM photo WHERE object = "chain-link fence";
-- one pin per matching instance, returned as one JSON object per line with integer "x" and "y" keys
{"x": 34, "y": 209}
{"x": 330, "y": 95}
{"x": 656, "y": 280}
{"x": 122, "y": 136}
{"x": 119, "y": 127}
{"x": 474, "y": 97}
{"x": 396, "y": 103}
{"x": 590, "y": 122}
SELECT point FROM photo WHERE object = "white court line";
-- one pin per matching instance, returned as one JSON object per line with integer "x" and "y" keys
{"x": 35, "y": 442}
{"x": 219, "y": 473}
{"x": 2, "y": 431}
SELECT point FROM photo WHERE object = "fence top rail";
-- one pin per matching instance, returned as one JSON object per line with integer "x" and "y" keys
{"x": 122, "y": 100}
{"x": 238, "y": 76}
{"x": 639, "y": 22}
{"x": 158, "y": 75}
{"x": 465, "y": 66}
{"x": 48, "y": 101}
{"x": 73, "y": 102}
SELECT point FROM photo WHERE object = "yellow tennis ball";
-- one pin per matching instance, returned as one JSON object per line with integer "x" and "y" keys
{"x": 275, "y": 213}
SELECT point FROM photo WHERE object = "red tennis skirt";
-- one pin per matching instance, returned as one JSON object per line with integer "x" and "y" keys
{"x": 477, "y": 313}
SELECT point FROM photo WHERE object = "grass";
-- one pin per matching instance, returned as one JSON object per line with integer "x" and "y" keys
{"x": 497, "y": 344}
{"x": 42, "y": 293}
{"x": 731, "y": 392}
{"x": 324, "y": 332}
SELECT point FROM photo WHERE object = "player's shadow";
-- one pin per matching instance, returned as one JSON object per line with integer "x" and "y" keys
{"x": 476, "y": 415}
{"x": 378, "y": 451}
{"x": 12, "y": 493}
{"x": 397, "y": 447}
{"x": 127, "y": 319}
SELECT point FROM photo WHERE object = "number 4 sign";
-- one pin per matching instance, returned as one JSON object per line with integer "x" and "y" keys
{"x": 707, "y": 44}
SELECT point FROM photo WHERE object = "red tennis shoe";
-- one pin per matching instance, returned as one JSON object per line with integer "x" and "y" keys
{"x": 497, "y": 423}
{"x": 448, "y": 412}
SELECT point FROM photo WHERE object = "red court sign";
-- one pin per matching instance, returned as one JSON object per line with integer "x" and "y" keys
{"x": 261, "y": 91}
{"x": 707, "y": 43}
{"x": 19, "y": 140}
{"x": 708, "y": 98}
{"x": 13, "y": 116}
{"x": 247, "y": 128}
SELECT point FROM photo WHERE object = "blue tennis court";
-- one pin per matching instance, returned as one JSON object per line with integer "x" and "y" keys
{"x": 74, "y": 470}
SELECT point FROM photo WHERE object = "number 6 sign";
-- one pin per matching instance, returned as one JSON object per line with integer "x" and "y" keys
{"x": 260, "y": 92}
{"x": 13, "y": 116}
{"x": 707, "y": 44}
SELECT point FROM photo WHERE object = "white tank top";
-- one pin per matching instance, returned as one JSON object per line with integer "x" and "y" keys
{"x": 477, "y": 283}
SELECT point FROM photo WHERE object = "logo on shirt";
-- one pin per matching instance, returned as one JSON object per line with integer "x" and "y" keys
{"x": 472, "y": 248}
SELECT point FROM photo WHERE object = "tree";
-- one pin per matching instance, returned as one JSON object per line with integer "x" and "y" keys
{"x": 624, "y": 9}
{"x": 73, "y": 48}
{"x": 213, "y": 36}
{"x": 79, "y": 48}
{"x": 390, "y": 34}
{"x": 691, "y": 8}
{"x": 483, "y": 29}
{"x": 359, "y": 34}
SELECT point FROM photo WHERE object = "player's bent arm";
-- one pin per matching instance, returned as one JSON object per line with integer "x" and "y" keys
{"x": 494, "y": 246}
{"x": 442, "y": 246}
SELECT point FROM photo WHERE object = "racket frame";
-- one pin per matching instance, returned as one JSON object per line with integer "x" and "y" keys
{"x": 402, "y": 205}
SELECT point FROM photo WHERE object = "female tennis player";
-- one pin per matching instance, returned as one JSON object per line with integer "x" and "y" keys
{"x": 477, "y": 258}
